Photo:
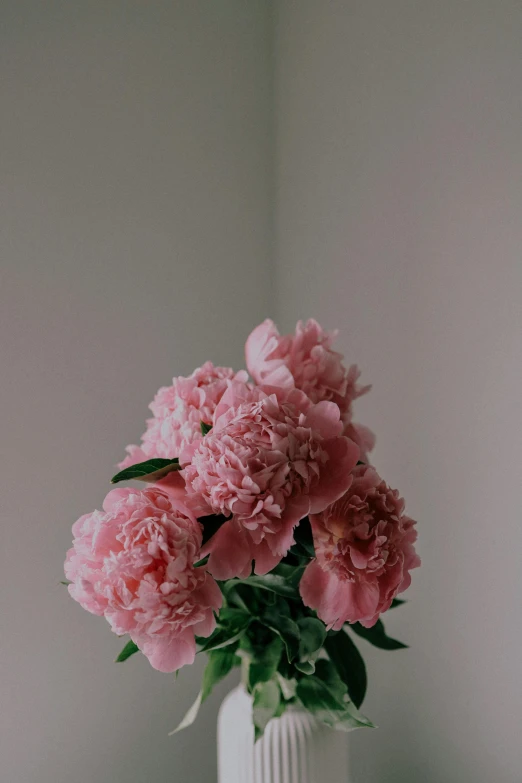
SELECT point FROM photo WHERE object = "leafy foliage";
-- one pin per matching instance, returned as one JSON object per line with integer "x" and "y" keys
{"x": 232, "y": 624}
{"x": 312, "y": 637}
{"x": 261, "y": 651}
{"x": 349, "y": 664}
{"x": 266, "y": 704}
{"x": 324, "y": 695}
{"x": 280, "y": 645}
{"x": 220, "y": 663}
{"x": 274, "y": 582}
{"x": 285, "y": 628}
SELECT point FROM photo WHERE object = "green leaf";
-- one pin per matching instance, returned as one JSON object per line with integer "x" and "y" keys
{"x": 397, "y": 602}
{"x": 261, "y": 660}
{"x": 290, "y": 573}
{"x": 129, "y": 649}
{"x": 316, "y": 697}
{"x": 286, "y": 628}
{"x": 313, "y": 634}
{"x": 377, "y": 636}
{"x": 232, "y": 625}
{"x": 66, "y": 582}
{"x": 288, "y": 687}
{"x": 220, "y": 663}
{"x": 223, "y": 637}
{"x": 273, "y": 582}
{"x": 190, "y": 715}
{"x": 151, "y": 470}
{"x": 205, "y": 428}
{"x": 326, "y": 671}
{"x": 349, "y": 664}
{"x": 234, "y": 617}
{"x": 266, "y": 703}
{"x": 235, "y": 598}
{"x": 305, "y": 667}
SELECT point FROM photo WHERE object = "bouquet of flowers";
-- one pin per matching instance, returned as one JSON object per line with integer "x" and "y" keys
{"x": 261, "y": 535}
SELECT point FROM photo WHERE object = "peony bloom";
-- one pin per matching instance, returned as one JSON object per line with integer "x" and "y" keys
{"x": 364, "y": 438}
{"x": 133, "y": 562}
{"x": 365, "y": 550}
{"x": 305, "y": 361}
{"x": 178, "y": 412}
{"x": 271, "y": 458}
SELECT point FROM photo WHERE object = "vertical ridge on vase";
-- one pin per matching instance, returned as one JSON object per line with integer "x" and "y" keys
{"x": 292, "y": 744}
{"x": 295, "y": 748}
{"x": 303, "y": 729}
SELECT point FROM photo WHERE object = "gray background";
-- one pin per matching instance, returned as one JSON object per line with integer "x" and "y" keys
{"x": 172, "y": 173}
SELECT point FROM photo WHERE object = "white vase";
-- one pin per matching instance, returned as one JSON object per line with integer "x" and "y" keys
{"x": 295, "y": 748}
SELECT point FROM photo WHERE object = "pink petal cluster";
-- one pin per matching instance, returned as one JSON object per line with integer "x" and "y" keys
{"x": 133, "y": 562}
{"x": 364, "y": 547}
{"x": 306, "y": 361}
{"x": 178, "y": 411}
{"x": 271, "y": 458}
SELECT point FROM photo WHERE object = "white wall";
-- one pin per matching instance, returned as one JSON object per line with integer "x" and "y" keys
{"x": 135, "y": 142}
{"x": 399, "y": 220}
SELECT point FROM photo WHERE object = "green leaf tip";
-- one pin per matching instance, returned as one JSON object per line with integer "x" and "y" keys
{"x": 220, "y": 663}
{"x": 129, "y": 649}
{"x": 205, "y": 428}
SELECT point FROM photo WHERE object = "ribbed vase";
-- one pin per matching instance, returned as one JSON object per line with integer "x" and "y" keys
{"x": 295, "y": 748}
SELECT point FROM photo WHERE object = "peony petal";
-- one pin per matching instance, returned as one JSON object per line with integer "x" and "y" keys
{"x": 295, "y": 510}
{"x": 135, "y": 454}
{"x": 361, "y": 603}
{"x": 277, "y": 375}
{"x": 174, "y": 485}
{"x": 209, "y": 595}
{"x": 323, "y": 591}
{"x": 260, "y": 342}
{"x": 230, "y": 552}
{"x": 168, "y": 654}
{"x": 236, "y": 393}
{"x": 325, "y": 419}
{"x": 337, "y": 478}
{"x": 266, "y": 560}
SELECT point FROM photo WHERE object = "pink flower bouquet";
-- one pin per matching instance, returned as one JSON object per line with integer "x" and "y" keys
{"x": 260, "y": 535}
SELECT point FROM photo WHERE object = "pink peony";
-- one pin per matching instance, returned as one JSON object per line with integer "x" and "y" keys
{"x": 271, "y": 458}
{"x": 364, "y": 548}
{"x": 305, "y": 361}
{"x": 364, "y": 438}
{"x": 178, "y": 412}
{"x": 133, "y": 562}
